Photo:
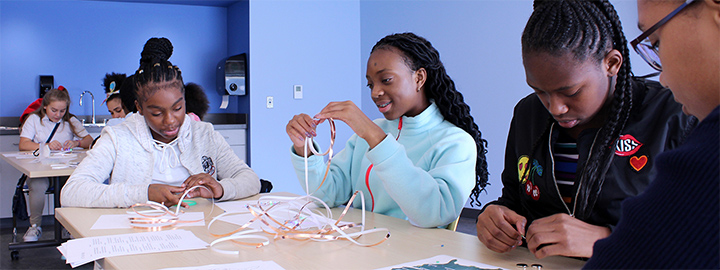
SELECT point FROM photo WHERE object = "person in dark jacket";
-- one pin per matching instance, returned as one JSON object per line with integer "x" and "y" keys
{"x": 675, "y": 223}
{"x": 584, "y": 141}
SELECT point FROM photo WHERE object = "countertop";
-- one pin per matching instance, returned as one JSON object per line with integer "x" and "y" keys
{"x": 9, "y": 125}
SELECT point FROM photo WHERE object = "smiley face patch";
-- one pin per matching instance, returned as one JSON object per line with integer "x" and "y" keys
{"x": 527, "y": 178}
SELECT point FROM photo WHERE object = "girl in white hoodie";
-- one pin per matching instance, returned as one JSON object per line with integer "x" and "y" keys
{"x": 158, "y": 153}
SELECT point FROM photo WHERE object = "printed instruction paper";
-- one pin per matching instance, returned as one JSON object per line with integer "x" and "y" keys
{"x": 122, "y": 221}
{"x": 85, "y": 250}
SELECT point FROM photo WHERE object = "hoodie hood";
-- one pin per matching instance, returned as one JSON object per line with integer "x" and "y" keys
{"x": 141, "y": 131}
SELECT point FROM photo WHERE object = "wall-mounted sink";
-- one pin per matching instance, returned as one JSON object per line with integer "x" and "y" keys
{"x": 94, "y": 125}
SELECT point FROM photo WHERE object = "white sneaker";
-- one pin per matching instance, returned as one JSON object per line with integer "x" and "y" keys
{"x": 33, "y": 234}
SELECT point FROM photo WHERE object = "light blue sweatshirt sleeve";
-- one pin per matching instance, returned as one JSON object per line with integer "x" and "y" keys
{"x": 434, "y": 197}
{"x": 337, "y": 188}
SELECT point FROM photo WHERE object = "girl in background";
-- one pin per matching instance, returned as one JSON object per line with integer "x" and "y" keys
{"x": 584, "y": 141}
{"x": 421, "y": 162}
{"x": 112, "y": 83}
{"x": 196, "y": 101}
{"x": 158, "y": 153}
{"x": 51, "y": 123}
{"x": 128, "y": 95}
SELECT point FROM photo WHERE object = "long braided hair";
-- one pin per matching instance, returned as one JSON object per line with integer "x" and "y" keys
{"x": 587, "y": 29}
{"x": 155, "y": 71}
{"x": 419, "y": 53}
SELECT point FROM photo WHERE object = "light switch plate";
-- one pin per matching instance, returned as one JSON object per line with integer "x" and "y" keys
{"x": 297, "y": 91}
{"x": 270, "y": 103}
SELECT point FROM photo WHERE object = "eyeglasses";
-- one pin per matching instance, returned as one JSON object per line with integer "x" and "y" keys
{"x": 649, "y": 51}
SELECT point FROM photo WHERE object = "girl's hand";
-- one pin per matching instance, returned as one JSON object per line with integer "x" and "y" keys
{"x": 203, "y": 179}
{"x": 165, "y": 194}
{"x": 349, "y": 113}
{"x": 70, "y": 144}
{"x": 55, "y": 145}
{"x": 301, "y": 126}
{"x": 500, "y": 229}
{"x": 561, "y": 234}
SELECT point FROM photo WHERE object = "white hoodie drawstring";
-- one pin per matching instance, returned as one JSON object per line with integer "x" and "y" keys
{"x": 169, "y": 159}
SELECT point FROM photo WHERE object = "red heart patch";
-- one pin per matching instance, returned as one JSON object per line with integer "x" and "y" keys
{"x": 638, "y": 163}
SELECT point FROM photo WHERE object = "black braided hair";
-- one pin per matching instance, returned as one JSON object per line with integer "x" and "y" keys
{"x": 118, "y": 78}
{"x": 195, "y": 100}
{"x": 419, "y": 53}
{"x": 155, "y": 71}
{"x": 587, "y": 29}
{"x": 128, "y": 94}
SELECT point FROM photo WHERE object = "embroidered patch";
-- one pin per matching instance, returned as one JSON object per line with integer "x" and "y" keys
{"x": 627, "y": 145}
{"x": 527, "y": 178}
{"x": 208, "y": 165}
{"x": 523, "y": 165}
{"x": 638, "y": 163}
{"x": 535, "y": 193}
{"x": 528, "y": 188}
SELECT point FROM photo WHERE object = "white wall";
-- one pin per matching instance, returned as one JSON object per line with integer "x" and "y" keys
{"x": 479, "y": 43}
{"x": 312, "y": 43}
{"x": 324, "y": 45}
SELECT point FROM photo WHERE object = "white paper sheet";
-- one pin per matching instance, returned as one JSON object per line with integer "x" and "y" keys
{"x": 241, "y": 206}
{"x": 235, "y": 206}
{"x": 442, "y": 262}
{"x": 122, "y": 221}
{"x": 85, "y": 250}
{"x": 20, "y": 155}
{"x": 242, "y": 218}
{"x": 279, "y": 212}
{"x": 265, "y": 265}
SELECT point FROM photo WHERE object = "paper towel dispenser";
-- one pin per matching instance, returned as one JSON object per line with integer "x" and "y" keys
{"x": 232, "y": 75}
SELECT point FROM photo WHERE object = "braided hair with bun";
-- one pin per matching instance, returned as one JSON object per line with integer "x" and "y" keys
{"x": 155, "y": 71}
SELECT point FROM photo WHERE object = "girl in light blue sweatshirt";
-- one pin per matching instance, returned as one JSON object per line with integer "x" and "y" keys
{"x": 422, "y": 161}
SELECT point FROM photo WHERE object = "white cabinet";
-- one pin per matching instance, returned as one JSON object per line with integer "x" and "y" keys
{"x": 94, "y": 131}
{"x": 235, "y": 135}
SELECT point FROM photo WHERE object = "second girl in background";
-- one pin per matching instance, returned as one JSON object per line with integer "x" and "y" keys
{"x": 419, "y": 163}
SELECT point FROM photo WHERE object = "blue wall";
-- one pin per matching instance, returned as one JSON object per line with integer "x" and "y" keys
{"x": 238, "y": 28}
{"x": 312, "y": 43}
{"x": 479, "y": 43}
{"x": 323, "y": 45}
{"x": 79, "y": 41}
